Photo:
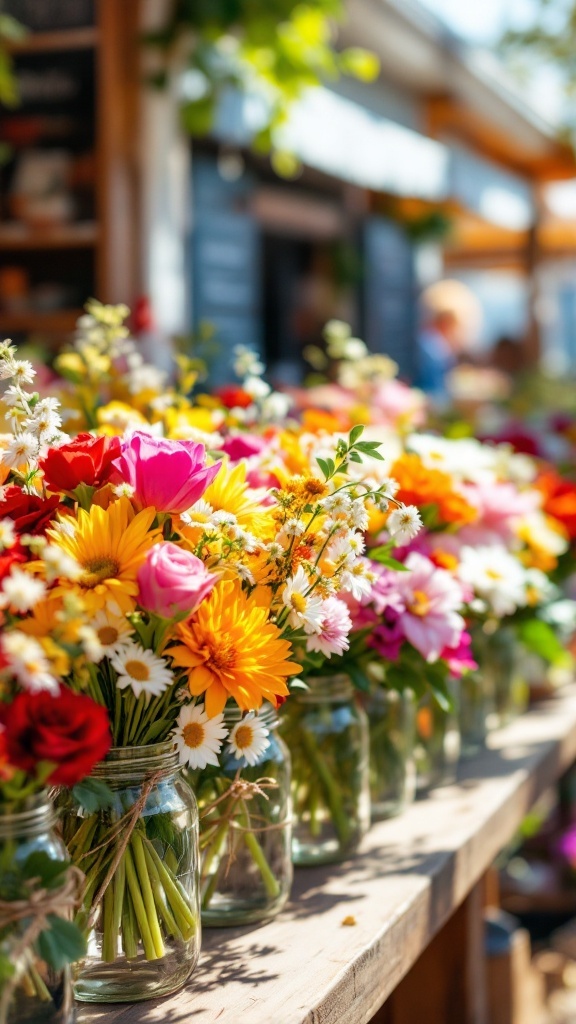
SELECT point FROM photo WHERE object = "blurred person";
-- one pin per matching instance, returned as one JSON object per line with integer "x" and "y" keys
{"x": 451, "y": 317}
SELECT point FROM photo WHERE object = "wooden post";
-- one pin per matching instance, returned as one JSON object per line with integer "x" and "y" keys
{"x": 447, "y": 984}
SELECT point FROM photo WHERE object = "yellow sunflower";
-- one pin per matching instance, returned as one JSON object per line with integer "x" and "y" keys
{"x": 110, "y": 545}
{"x": 230, "y": 649}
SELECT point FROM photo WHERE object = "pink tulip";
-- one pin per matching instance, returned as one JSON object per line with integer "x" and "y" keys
{"x": 172, "y": 581}
{"x": 169, "y": 475}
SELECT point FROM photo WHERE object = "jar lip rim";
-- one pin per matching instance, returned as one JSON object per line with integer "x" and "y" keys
{"x": 40, "y": 808}
{"x": 147, "y": 750}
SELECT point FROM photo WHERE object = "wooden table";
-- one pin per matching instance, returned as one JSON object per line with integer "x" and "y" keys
{"x": 352, "y": 932}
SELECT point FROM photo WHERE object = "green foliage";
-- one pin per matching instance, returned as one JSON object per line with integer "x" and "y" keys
{"x": 93, "y": 795}
{"x": 540, "y": 638}
{"x": 276, "y": 48}
{"x": 61, "y": 942}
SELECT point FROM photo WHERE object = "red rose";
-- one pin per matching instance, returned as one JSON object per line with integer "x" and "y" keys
{"x": 30, "y": 512}
{"x": 69, "y": 729}
{"x": 86, "y": 460}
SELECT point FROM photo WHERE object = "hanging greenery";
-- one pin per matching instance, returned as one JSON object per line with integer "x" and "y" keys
{"x": 11, "y": 31}
{"x": 273, "y": 48}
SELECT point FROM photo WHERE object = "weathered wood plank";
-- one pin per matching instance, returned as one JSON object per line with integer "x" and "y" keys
{"x": 306, "y": 967}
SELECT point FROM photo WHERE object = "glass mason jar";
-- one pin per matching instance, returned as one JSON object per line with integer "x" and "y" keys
{"x": 36, "y": 993}
{"x": 327, "y": 735}
{"x": 437, "y": 743}
{"x": 498, "y": 655}
{"x": 476, "y": 712}
{"x": 392, "y": 722}
{"x": 245, "y": 831}
{"x": 144, "y": 925}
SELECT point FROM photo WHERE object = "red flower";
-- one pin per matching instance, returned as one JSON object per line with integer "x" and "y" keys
{"x": 10, "y": 557}
{"x": 233, "y": 396}
{"x": 70, "y": 730}
{"x": 559, "y": 499}
{"x": 85, "y": 460}
{"x": 30, "y": 512}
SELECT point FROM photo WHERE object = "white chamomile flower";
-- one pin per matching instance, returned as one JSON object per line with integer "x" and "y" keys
{"x": 341, "y": 553}
{"x": 357, "y": 581}
{"x": 7, "y": 534}
{"x": 338, "y": 504}
{"x": 20, "y": 449}
{"x": 294, "y": 528}
{"x": 198, "y": 738}
{"x": 200, "y": 514}
{"x": 359, "y": 515}
{"x": 247, "y": 541}
{"x": 275, "y": 550}
{"x": 141, "y": 670}
{"x": 66, "y": 526}
{"x": 223, "y": 518}
{"x": 404, "y": 523}
{"x": 112, "y": 630}
{"x": 390, "y": 487}
{"x": 245, "y": 574}
{"x": 28, "y": 662}
{"x": 21, "y": 591}
{"x": 123, "y": 489}
{"x": 305, "y": 609}
{"x": 248, "y": 739}
{"x": 22, "y": 371}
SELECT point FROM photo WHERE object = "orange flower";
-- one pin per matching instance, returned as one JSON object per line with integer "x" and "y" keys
{"x": 559, "y": 499}
{"x": 424, "y": 487}
{"x": 231, "y": 649}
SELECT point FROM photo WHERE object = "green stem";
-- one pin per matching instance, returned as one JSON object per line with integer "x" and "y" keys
{"x": 271, "y": 883}
{"x": 160, "y": 896}
{"x": 139, "y": 908}
{"x": 179, "y": 902}
{"x": 109, "y": 934}
{"x": 129, "y": 928}
{"x": 331, "y": 791}
{"x": 147, "y": 894}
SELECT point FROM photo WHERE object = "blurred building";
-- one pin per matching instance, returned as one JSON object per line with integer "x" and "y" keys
{"x": 438, "y": 167}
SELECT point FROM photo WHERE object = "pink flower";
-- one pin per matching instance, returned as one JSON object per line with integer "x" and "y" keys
{"x": 336, "y": 624}
{"x": 242, "y": 446}
{"x": 460, "y": 658}
{"x": 388, "y": 637}
{"x": 170, "y": 475}
{"x": 172, "y": 581}
{"x": 432, "y": 598}
{"x": 499, "y": 506}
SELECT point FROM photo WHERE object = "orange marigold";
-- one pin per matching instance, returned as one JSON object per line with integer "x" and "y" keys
{"x": 423, "y": 487}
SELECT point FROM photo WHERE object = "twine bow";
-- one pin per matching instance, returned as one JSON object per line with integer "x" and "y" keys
{"x": 124, "y": 827}
{"x": 38, "y": 905}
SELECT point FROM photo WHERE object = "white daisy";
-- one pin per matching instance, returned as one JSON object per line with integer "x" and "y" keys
{"x": 198, "y": 738}
{"x": 248, "y": 739}
{"x": 28, "y": 662}
{"x": 357, "y": 581}
{"x": 23, "y": 371}
{"x": 141, "y": 670}
{"x": 20, "y": 449}
{"x": 245, "y": 574}
{"x": 338, "y": 504}
{"x": 495, "y": 576}
{"x": 404, "y": 523}
{"x": 359, "y": 515}
{"x": 112, "y": 630}
{"x": 59, "y": 565}
{"x": 90, "y": 644}
{"x": 256, "y": 387}
{"x": 223, "y": 518}
{"x": 294, "y": 528}
{"x": 21, "y": 591}
{"x": 123, "y": 490}
{"x": 305, "y": 610}
{"x": 200, "y": 514}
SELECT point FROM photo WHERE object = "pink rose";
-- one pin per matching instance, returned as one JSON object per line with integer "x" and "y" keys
{"x": 170, "y": 475}
{"x": 172, "y": 580}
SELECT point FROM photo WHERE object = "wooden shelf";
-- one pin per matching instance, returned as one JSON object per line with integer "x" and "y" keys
{"x": 82, "y": 235}
{"x": 53, "y": 42}
{"x": 59, "y": 321}
{"x": 412, "y": 875}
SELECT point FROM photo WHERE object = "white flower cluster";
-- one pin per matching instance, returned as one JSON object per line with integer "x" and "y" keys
{"x": 199, "y": 738}
{"x": 34, "y": 422}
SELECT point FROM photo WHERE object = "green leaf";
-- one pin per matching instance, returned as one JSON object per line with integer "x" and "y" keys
{"x": 358, "y": 677}
{"x": 47, "y": 869}
{"x": 540, "y": 638}
{"x": 62, "y": 943}
{"x": 93, "y": 795}
{"x": 383, "y": 556}
{"x": 355, "y": 433}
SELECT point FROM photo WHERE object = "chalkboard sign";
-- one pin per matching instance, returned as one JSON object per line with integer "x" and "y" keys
{"x": 390, "y": 293}
{"x": 49, "y": 15}
{"x": 225, "y": 265}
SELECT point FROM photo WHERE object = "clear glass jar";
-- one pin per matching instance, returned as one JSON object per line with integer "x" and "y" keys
{"x": 144, "y": 938}
{"x": 392, "y": 721}
{"x": 476, "y": 712}
{"x": 36, "y": 993}
{"x": 498, "y": 655}
{"x": 437, "y": 742}
{"x": 327, "y": 735}
{"x": 245, "y": 831}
